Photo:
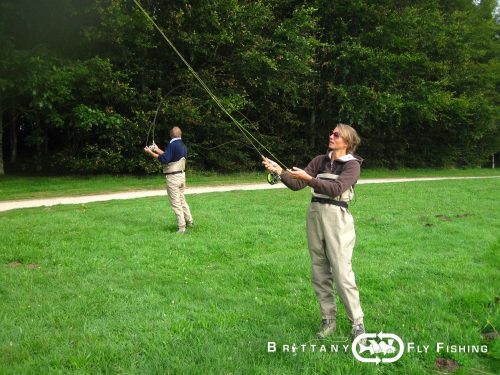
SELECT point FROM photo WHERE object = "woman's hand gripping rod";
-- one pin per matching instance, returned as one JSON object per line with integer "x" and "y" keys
{"x": 273, "y": 177}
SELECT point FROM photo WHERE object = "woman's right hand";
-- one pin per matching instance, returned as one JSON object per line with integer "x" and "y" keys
{"x": 271, "y": 166}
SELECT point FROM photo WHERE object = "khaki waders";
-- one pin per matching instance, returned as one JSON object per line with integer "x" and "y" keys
{"x": 176, "y": 183}
{"x": 331, "y": 238}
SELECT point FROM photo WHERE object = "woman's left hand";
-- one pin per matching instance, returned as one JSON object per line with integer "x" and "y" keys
{"x": 299, "y": 174}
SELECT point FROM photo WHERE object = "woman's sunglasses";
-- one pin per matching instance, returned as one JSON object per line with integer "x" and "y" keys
{"x": 336, "y": 135}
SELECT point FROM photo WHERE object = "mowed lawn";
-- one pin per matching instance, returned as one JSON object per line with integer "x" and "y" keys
{"x": 110, "y": 288}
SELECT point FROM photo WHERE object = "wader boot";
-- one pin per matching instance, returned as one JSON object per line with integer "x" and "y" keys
{"x": 328, "y": 327}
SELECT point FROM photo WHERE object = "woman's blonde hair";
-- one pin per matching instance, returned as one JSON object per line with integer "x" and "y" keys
{"x": 350, "y": 136}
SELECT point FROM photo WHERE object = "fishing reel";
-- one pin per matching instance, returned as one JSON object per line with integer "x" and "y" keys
{"x": 273, "y": 178}
{"x": 152, "y": 148}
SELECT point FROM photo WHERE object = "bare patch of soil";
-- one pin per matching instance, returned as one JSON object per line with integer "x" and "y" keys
{"x": 446, "y": 364}
{"x": 444, "y": 217}
{"x": 14, "y": 264}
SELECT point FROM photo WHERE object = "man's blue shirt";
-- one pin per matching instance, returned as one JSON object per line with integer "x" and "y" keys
{"x": 174, "y": 151}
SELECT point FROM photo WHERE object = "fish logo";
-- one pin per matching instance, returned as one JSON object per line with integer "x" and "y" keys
{"x": 378, "y": 347}
{"x": 375, "y": 347}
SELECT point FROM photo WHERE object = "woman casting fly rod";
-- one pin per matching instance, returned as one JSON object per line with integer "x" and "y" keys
{"x": 330, "y": 226}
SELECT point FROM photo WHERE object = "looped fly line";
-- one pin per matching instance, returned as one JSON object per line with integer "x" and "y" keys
{"x": 250, "y": 138}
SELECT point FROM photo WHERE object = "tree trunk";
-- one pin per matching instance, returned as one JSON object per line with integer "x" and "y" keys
{"x": 13, "y": 136}
{"x": 2, "y": 171}
{"x": 45, "y": 143}
{"x": 39, "y": 143}
{"x": 312, "y": 132}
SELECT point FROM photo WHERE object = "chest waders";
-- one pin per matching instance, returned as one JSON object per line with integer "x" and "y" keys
{"x": 331, "y": 238}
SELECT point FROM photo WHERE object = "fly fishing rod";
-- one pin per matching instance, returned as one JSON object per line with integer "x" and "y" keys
{"x": 152, "y": 127}
{"x": 272, "y": 178}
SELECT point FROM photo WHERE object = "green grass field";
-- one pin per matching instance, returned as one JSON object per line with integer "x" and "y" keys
{"x": 109, "y": 288}
{"x": 22, "y": 187}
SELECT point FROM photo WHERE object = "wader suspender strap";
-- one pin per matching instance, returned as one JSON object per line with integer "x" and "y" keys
{"x": 335, "y": 202}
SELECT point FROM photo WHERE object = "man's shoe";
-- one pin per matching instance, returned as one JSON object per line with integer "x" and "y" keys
{"x": 358, "y": 329}
{"x": 181, "y": 231}
{"x": 190, "y": 224}
{"x": 328, "y": 327}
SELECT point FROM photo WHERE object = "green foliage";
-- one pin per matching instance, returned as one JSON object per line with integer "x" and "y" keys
{"x": 86, "y": 118}
{"x": 418, "y": 79}
{"x": 401, "y": 74}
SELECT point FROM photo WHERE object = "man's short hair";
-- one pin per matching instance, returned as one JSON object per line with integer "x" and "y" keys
{"x": 175, "y": 132}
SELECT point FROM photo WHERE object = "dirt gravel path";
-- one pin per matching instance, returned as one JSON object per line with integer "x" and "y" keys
{"x": 29, "y": 203}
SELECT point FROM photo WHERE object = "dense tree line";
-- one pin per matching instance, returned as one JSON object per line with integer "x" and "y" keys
{"x": 81, "y": 81}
